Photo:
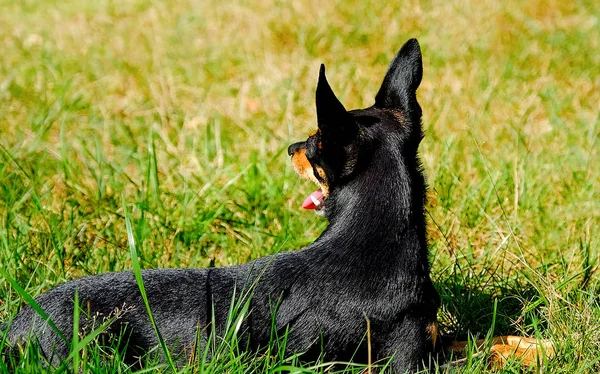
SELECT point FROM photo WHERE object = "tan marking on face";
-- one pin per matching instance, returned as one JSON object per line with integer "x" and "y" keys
{"x": 304, "y": 169}
{"x": 324, "y": 186}
{"x": 302, "y": 166}
{"x": 321, "y": 172}
{"x": 314, "y": 132}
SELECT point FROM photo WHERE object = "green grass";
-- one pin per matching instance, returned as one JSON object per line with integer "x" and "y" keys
{"x": 184, "y": 110}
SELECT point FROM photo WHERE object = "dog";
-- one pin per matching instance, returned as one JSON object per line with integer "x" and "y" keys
{"x": 369, "y": 266}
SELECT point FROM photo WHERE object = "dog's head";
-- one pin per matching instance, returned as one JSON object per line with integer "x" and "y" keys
{"x": 364, "y": 144}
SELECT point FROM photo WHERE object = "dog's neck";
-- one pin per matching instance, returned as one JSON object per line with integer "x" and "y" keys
{"x": 380, "y": 213}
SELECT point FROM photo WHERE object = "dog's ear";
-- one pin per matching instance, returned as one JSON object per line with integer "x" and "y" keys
{"x": 398, "y": 90}
{"x": 333, "y": 119}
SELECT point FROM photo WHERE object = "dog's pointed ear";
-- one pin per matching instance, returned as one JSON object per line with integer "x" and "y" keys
{"x": 398, "y": 90}
{"x": 333, "y": 119}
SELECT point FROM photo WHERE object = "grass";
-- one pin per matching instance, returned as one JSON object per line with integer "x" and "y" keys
{"x": 184, "y": 110}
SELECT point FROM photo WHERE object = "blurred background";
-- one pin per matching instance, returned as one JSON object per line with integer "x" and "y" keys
{"x": 184, "y": 110}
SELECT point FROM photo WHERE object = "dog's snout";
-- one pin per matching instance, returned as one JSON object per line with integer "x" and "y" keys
{"x": 294, "y": 147}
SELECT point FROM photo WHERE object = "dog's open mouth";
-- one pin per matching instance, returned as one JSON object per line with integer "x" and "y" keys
{"x": 315, "y": 200}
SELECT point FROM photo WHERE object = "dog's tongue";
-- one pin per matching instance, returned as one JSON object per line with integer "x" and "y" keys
{"x": 313, "y": 200}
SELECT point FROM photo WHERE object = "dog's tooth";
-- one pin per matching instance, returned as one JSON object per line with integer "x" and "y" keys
{"x": 315, "y": 200}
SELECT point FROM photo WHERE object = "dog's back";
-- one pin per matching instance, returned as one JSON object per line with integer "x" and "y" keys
{"x": 116, "y": 296}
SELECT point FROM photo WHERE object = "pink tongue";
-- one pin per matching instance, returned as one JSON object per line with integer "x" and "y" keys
{"x": 313, "y": 200}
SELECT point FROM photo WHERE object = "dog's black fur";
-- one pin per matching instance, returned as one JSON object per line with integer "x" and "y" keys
{"x": 370, "y": 261}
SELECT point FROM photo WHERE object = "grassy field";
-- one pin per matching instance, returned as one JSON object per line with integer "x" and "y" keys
{"x": 185, "y": 109}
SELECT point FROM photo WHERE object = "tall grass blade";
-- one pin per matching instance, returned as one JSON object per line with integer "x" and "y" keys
{"x": 35, "y": 306}
{"x": 140, "y": 282}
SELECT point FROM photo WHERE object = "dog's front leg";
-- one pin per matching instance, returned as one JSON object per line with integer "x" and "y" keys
{"x": 409, "y": 345}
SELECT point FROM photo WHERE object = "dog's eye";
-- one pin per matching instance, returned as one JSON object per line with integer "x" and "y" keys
{"x": 312, "y": 147}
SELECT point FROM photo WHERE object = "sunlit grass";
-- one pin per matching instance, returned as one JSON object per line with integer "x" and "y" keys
{"x": 184, "y": 110}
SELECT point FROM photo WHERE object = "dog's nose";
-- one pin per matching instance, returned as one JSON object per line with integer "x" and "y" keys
{"x": 294, "y": 147}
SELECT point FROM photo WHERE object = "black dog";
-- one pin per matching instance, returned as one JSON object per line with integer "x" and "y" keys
{"x": 371, "y": 261}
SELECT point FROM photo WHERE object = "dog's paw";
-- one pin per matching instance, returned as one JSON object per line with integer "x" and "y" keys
{"x": 529, "y": 351}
